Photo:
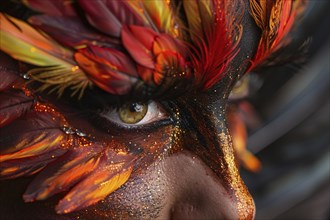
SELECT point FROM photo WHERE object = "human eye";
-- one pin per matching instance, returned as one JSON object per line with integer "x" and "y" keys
{"x": 135, "y": 115}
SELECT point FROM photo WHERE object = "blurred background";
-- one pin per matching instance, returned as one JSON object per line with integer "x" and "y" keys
{"x": 290, "y": 132}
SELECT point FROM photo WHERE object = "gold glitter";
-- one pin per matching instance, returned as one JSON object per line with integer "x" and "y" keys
{"x": 245, "y": 204}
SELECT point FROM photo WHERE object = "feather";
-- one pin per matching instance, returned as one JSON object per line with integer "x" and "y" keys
{"x": 31, "y": 142}
{"x": 169, "y": 65}
{"x": 161, "y": 16}
{"x": 148, "y": 30}
{"x": 199, "y": 16}
{"x": 212, "y": 53}
{"x": 28, "y": 128}
{"x": 63, "y": 173}
{"x": 53, "y": 7}
{"x": 112, "y": 70}
{"x": 14, "y": 104}
{"x": 139, "y": 41}
{"x": 276, "y": 20}
{"x": 157, "y": 15}
{"x": 47, "y": 141}
{"x": 158, "y": 55}
{"x": 28, "y": 166}
{"x": 77, "y": 35}
{"x": 24, "y": 43}
{"x": 106, "y": 178}
{"x": 99, "y": 13}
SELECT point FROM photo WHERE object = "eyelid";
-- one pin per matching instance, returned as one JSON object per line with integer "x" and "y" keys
{"x": 155, "y": 113}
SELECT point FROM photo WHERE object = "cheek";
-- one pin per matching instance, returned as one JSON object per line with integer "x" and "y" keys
{"x": 145, "y": 195}
{"x": 177, "y": 186}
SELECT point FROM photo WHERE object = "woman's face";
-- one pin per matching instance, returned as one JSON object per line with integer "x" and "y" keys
{"x": 162, "y": 158}
{"x": 182, "y": 161}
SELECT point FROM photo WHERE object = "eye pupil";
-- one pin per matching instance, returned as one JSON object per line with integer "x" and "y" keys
{"x": 136, "y": 107}
{"x": 132, "y": 113}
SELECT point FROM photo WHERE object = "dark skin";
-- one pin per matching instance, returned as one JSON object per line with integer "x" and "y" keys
{"x": 194, "y": 178}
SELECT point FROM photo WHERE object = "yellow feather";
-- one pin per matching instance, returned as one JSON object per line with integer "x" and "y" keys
{"x": 24, "y": 43}
{"x": 160, "y": 16}
{"x": 199, "y": 16}
{"x": 34, "y": 149}
{"x": 81, "y": 198}
{"x": 58, "y": 71}
{"x": 110, "y": 186}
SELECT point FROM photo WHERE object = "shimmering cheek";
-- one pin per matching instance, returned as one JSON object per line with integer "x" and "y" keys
{"x": 143, "y": 195}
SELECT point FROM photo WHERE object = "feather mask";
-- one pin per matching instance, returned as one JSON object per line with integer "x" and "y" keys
{"x": 115, "y": 46}
{"x": 123, "y": 44}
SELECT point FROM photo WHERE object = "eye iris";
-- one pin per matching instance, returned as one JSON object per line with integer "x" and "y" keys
{"x": 133, "y": 112}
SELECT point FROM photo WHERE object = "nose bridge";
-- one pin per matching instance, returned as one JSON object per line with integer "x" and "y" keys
{"x": 211, "y": 142}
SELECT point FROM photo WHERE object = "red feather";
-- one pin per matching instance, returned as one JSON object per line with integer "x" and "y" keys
{"x": 110, "y": 69}
{"x": 213, "y": 53}
{"x": 139, "y": 41}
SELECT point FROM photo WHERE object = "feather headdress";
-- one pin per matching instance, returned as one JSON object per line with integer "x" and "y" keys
{"x": 124, "y": 42}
